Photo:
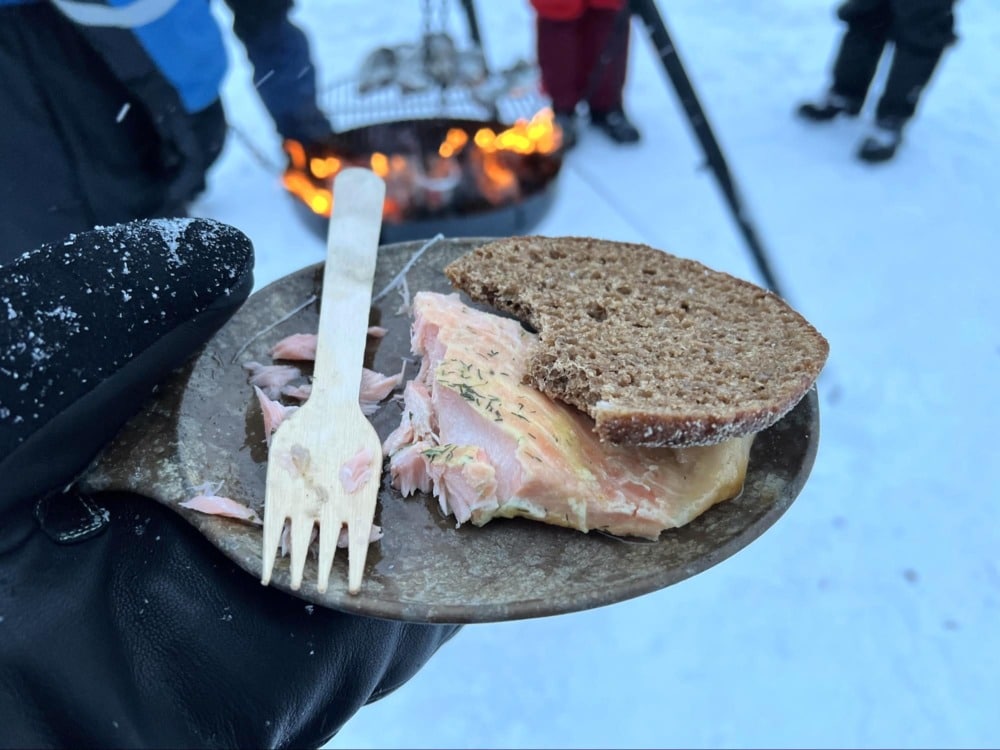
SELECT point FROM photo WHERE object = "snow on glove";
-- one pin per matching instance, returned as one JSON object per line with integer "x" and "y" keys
{"x": 92, "y": 324}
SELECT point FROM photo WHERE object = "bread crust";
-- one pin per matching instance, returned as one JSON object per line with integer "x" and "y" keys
{"x": 658, "y": 350}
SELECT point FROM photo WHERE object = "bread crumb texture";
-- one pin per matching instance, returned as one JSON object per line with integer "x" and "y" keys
{"x": 658, "y": 350}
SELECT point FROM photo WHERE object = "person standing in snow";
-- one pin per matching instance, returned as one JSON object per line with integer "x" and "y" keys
{"x": 920, "y": 31}
{"x": 111, "y": 110}
{"x": 571, "y": 36}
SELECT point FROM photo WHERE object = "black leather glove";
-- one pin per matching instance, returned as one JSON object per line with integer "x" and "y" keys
{"x": 120, "y": 625}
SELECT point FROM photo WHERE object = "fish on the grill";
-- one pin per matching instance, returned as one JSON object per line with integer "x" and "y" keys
{"x": 378, "y": 69}
{"x": 441, "y": 58}
{"x": 435, "y": 61}
{"x": 411, "y": 71}
{"x": 489, "y": 446}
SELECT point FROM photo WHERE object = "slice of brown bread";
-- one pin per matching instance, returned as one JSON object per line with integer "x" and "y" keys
{"x": 658, "y": 350}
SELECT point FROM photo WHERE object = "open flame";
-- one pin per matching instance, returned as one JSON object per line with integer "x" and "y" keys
{"x": 489, "y": 160}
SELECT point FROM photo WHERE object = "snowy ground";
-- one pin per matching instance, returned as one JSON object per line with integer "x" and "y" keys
{"x": 869, "y": 615}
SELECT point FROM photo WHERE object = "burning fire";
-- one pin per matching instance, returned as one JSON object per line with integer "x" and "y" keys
{"x": 429, "y": 180}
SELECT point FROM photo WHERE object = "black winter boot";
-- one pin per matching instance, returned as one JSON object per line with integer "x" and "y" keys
{"x": 567, "y": 123}
{"x": 868, "y": 25}
{"x": 615, "y": 125}
{"x": 909, "y": 74}
{"x": 828, "y": 108}
{"x": 881, "y": 143}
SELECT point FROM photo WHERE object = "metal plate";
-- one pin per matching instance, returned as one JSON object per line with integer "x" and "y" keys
{"x": 205, "y": 427}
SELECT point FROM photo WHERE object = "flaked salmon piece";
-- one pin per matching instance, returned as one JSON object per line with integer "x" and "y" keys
{"x": 356, "y": 471}
{"x": 409, "y": 469}
{"x": 221, "y": 506}
{"x": 276, "y": 380}
{"x": 271, "y": 378}
{"x": 375, "y": 387}
{"x": 302, "y": 346}
{"x": 464, "y": 479}
{"x": 416, "y": 420}
{"x": 274, "y": 412}
{"x": 298, "y": 346}
{"x": 491, "y": 446}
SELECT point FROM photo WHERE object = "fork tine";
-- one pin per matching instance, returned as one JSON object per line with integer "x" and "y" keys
{"x": 329, "y": 534}
{"x": 274, "y": 522}
{"x": 301, "y": 533}
{"x": 361, "y": 514}
{"x": 358, "y": 536}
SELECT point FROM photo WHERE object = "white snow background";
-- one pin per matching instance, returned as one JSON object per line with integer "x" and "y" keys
{"x": 869, "y": 615}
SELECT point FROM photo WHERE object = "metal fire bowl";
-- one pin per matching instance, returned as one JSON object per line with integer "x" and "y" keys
{"x": 205, "y": 426}
{"x": 421, "y": 136}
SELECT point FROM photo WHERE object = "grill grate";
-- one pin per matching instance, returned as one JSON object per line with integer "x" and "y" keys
{"x": 349, "y": 108}
{"x": 437, "y": 77}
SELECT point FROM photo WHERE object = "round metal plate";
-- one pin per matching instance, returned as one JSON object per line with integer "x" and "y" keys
{"x": 205, "y": 427}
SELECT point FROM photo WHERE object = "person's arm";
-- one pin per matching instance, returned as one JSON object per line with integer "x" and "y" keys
{"x": 284, "y": 74}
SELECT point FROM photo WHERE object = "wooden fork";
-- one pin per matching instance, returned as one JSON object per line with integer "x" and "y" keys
{"x": 316, "y": 450}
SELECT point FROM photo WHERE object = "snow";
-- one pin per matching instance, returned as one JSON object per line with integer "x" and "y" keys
{"x": 868, "y": 615}
{"x": 172, "y": 230}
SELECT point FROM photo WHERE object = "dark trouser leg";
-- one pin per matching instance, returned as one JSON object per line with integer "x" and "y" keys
{"x": 921, "y": 29}
{"x": 598, "y": 27}
{"x": 558, "y": 61}
{"x": 868, "y": 26}
{"x": 909, "y": 74}
{"x": 605, "y": 61}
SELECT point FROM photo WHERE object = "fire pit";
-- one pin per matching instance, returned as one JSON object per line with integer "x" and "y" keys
{"x": 465, "y": 149}
{"x": 459, "y": 177}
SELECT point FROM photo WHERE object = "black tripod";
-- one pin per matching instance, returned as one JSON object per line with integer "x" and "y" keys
{"x": 648, "y": 13}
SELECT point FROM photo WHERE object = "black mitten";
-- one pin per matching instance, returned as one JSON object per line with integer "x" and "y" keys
{"x": 92, "y": 324}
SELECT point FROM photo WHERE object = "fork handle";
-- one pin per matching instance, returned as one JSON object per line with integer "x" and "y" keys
{"x": 352, "y": 251}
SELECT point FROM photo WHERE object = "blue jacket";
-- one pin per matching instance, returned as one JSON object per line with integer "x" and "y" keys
{"x": 180, "y": 41}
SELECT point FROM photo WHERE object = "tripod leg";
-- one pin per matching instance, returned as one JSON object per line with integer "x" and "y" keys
{"x": 648, "y": 13}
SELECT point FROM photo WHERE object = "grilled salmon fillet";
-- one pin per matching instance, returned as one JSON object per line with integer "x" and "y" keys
{"x": 488, "y": 446}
